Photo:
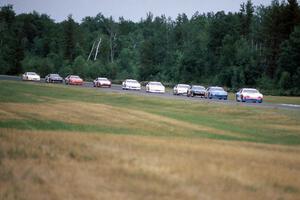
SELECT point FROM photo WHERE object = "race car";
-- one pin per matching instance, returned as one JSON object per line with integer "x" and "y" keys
{"x": 196, "y": 90}
{"x": 101, "y": 82}
{"x": 73, "y": 80}
{"x": 155, "y": 87}
{"x": 249, "y": 94}
{"x": 31, "y": 76}
{"x": 130, "y": 84}
{"x": 54, "y": 78}
{"x": 216, "y": 93}
{"x": 181, "y": 89}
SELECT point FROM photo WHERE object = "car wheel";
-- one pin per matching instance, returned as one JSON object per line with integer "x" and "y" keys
{"x": 242, "y": 98}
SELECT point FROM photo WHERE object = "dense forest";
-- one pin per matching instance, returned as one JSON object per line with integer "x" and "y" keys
{"x": 259, "y": 46}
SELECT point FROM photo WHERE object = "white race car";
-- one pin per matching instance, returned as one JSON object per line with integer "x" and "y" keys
{"x": 31, "y": 76}
{"x": 249, "y": 94}
{"x": 130, "y": 84}
{"x": 101, "y": 82}
{"x": 181, "y": 89}
{"x": 155, "y": 87}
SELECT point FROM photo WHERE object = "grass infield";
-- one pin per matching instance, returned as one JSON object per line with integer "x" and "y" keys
{"x": 59, "y": 142}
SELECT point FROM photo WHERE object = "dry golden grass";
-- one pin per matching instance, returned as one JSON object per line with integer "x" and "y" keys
{"x": 287, "y": 127}
{"x": 64, "y": 165}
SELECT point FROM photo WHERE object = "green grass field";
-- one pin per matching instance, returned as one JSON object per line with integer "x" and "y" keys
{"x": 241, "y": 123}
{"x": 141, "y": 146}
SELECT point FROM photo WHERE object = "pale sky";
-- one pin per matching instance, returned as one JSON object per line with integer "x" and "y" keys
{"x": 130, "y": 9}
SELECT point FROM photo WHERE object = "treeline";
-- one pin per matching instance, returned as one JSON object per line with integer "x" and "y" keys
{"x": 255, "y": 47}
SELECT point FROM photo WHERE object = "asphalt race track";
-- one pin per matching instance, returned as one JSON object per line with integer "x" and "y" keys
{"x": 169, "y": 95}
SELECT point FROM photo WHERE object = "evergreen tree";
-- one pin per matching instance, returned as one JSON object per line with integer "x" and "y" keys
{"x": 289, "y": 62}
{"x": 255, "y": 47}
{"x": 69, "y": 38}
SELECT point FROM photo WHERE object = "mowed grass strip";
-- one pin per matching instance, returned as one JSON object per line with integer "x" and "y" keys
{"x": 71, "y": 165}
{"x": 91, "y": 117}
{"x": 35, "y": 106}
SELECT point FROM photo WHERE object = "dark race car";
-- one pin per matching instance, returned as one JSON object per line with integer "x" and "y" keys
{"x": 196, "y": 90}
{"x": 53, "y": 78}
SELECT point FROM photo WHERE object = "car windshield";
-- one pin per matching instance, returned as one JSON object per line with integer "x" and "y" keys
{"x": 250, "y": 91}
{"x": 31, "y": 73}
{"x": 155, "y": 83}
{"x": 54, "y": 75}
{"x": 196, "y": 87}
{"x": 217, "y": 89}
{"x": 102, "y": 79}
{"x": 183, "y": 86}
{"x": 76, "y": 77}
{"x": 132, "y": 81}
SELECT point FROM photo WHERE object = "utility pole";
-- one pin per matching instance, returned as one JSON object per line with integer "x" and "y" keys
{"x": 97, "y": 49}
{"x": 91, "y": 51}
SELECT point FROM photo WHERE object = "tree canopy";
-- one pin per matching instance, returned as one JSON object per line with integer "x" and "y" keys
{"x": 259, "y": 46}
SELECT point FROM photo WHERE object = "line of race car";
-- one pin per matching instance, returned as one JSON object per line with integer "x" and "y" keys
{"x": 213, "y": 92}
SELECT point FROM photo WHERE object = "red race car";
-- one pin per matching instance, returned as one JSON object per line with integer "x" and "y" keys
{"x": 73, "y": 80}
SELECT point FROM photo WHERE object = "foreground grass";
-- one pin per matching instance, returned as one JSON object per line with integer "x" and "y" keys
{"x": 71, "y": 165}
{"x": 60, "y": 142}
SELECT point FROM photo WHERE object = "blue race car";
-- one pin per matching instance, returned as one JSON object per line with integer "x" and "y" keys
{"x": 216, "y": 93}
